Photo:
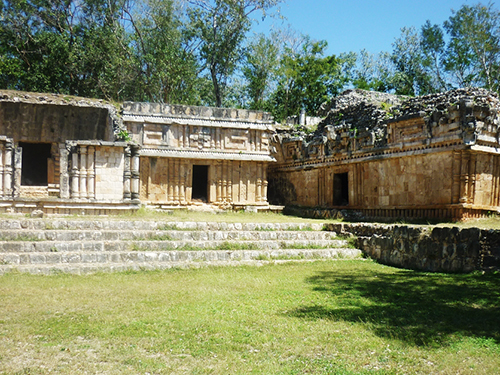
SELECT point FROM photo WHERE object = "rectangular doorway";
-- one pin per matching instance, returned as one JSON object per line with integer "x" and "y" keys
{"x": 200, "y": 183}
{"x": 341, "y": 189}
{"x": 34, "y": 167}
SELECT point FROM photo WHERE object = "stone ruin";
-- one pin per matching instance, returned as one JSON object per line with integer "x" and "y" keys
{"x": 66, "y": 155}
{"x": 391, "y": 156}
{"x": 381, "y": 155}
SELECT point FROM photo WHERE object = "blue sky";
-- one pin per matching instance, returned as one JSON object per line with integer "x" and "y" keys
{"x": 351, "y": 25}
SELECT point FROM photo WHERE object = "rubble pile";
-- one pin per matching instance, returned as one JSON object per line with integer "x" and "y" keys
{"x": 441, "y": 102}
{"x": 368, "y": 112}
{"x": 359, "y": 109}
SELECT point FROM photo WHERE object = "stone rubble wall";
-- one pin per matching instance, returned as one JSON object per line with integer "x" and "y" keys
{"x": 438, "y": 249}
{"x": 185, "y": 111}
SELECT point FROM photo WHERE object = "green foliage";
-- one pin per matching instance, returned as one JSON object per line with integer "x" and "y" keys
{"x": 473, "y": 53}
{"x": 123, "y": 135}
{"x": 166, "y": 63}
{"x": 260, "y": 68}
{"x": 220, "y": 27}
{"x": 307, "y": 80}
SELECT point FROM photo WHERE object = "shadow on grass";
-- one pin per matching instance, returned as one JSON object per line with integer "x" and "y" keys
{"x": 417, "y": 308}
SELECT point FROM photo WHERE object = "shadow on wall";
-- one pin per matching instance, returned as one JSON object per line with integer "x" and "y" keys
{"x": 417, "y": 308}
{"x": 280, "y": 191}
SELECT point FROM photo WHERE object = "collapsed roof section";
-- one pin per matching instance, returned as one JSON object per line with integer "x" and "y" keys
{"x": 359, "y": 120}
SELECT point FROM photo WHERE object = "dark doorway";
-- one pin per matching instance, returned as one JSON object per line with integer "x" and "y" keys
{"x": 34, "y": 168}
{"x": 340, "y": 189}
{"x": 200, "y": 183}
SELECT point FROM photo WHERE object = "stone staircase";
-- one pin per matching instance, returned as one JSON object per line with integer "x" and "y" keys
{"x": 44, "y": 246}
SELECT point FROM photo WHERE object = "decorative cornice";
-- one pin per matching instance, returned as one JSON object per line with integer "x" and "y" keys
{"x": 207, "y": 155}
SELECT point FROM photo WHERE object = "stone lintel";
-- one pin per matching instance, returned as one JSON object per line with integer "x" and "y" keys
{"x": 208, "y": 155}
{"x": 486, "y": 148}
{"x": 97, "y": 143}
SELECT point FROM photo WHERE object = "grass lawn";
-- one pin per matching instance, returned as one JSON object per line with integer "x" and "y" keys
{"x": 323, "y": 317}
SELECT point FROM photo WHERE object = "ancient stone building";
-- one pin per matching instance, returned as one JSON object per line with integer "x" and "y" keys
{"x": 435, "y": 156}
{"x": 64, "y": 155}
{"x": 191, "y": 155}
{"x": 59, "y": 154}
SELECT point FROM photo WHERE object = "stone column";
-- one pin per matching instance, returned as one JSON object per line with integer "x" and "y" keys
{"x": 91, "y": 172}
{"x": 2, "y": 151}
{"x": 219, "y": 181}
{"x": 258, "y": 184}
{"x": 224, "y": 180}
{"x": 83, "y": 172}
{"x": 127, "y": 174}
{"x": 7, "y": 177}
{"x": 18, "y": 164}
{"x": 212, "y": 183}
{"x": 182, "y": 179}
{"x": 472, "y": 179}
{"x": 134, "y": 171}
{"x": 455, "y": 196}
{"x": 75, "y": 174}
{"x": 64, "y": 175}
{"x": 176, "y": 180}
{"x": 170, "y": 180}
{"x": 464, "y": 177}
{"x": 264, "y": 182}
{"x": 230, "y": 169}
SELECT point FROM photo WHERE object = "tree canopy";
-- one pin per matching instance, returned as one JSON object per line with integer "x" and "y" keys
{"x": 201, "y": 52}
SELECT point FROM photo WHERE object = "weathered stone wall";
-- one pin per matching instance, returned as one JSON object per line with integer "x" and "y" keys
{"x": 47, "y": 123}
{"x": 419, "y": 180}
{"x": 231, "y": 146}
{"x": 170, "y": 180}
{"x": 433, "y": 156}
{"x": 109, "y": 172}
{"x": 438, "y": 249}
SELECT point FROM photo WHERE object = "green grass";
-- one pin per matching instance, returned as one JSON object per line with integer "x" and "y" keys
{"x": 21, "y": 238}
{"x": 184, "y": 215}
{"x": 348, "y": 317}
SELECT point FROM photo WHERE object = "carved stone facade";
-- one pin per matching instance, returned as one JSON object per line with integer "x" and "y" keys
{"x": 443, "y": 164}
{"x": 429, "y": 157}
{"x": 60, "y": 155}
{"x": 192, "y": 155}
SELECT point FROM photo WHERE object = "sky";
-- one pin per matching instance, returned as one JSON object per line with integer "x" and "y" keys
{"x": 353, "y": 25}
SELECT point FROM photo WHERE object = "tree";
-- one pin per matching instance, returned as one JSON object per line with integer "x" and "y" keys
{"x": 307, "y": 80}
{"x": 473, "y": 53}
{"x": 433, "y": 49}
{"x": 261, "y": 63}
{"x": 166, "y": 64}
{"x": 410, "y": 77}
{"x": 373, "y": 72}
{"x": 220, "y": 27}
{"x": 65, "y": 46}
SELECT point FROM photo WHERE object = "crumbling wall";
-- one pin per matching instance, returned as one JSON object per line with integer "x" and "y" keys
{"x": 435, "y": 152}
{"x": 437, "y": 249}
{"x": 51, "y": 118}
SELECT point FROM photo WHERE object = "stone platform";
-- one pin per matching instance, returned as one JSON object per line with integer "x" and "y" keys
{"x": 45, "y": 246}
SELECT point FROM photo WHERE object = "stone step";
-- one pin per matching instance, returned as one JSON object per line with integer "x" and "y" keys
{"x": 86, "y": 262}
{"x": 25, "y": 247}
{"x": 108, "y": 224}
{"x": 32, "y": 235}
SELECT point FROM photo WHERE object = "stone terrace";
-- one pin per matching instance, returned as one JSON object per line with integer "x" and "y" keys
{"x": 77, "y": 246}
